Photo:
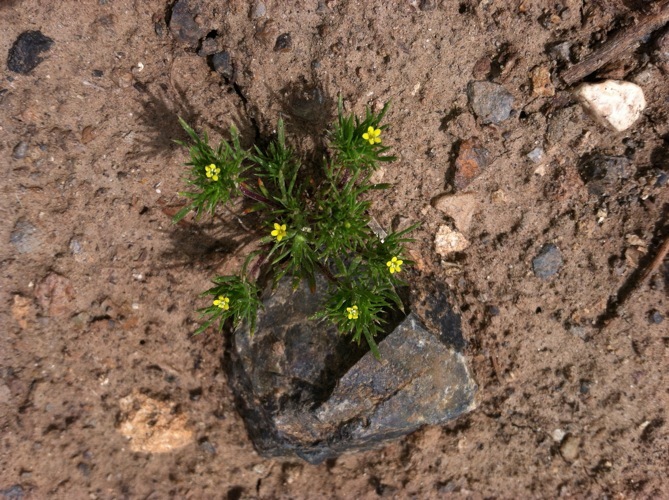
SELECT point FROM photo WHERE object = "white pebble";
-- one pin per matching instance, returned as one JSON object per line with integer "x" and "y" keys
{"x": 448, "y": 241}
{"x": 614, "y": 104}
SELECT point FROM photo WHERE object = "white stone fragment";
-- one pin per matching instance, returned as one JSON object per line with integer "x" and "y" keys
{"x": 614, "y": 104}
{"x": 558, "y": 435}
{"x": 460, "y": 207}
{"x": 448, "y": 241}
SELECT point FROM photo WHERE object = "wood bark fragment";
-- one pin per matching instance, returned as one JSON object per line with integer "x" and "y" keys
{"x": 617, "y": 44}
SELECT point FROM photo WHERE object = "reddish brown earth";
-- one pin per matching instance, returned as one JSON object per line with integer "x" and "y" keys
{"x": 105, "y": 393}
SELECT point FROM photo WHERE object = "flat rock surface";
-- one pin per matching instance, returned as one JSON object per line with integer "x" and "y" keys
{"x": 490, "y": 102}
{"x": 310, "y": 392}
{"x": 460, "y": 207}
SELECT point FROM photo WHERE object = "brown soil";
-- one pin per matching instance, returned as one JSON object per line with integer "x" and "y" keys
{"x": 99, "y": 288}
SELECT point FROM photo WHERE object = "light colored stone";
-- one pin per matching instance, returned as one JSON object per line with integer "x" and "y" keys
{"x": 570, "y": 447}
{"x": 22, "y": 310}
{"x": 536, "y": 155}
{"x": 56, "y": 296}
{"x": 448, "y": 241}
{"x": 614, "y": 104}
{"x": 541, "y": 82}
{"x": 151, "y": 425}
{"x": 459, "y": 207}
{"x": 558, "y": 435}
{"x": 5, "y": 394}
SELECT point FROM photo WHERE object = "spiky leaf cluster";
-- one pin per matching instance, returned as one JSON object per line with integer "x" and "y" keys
{"x": 313, "y": 224}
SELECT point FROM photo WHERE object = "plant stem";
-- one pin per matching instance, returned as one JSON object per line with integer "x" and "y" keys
{"x": 257, "y": 197}
{"x": 326, "y": 272}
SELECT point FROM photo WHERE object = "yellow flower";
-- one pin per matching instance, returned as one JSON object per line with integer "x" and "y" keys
{"x": 222, "y": 302}
{"x": 212, "y": 171}
{"x": 279, "y": 231}
{"x": 394, "y": 265}
{"x": 352, "y": 312}
{"x": 372, "y": 135}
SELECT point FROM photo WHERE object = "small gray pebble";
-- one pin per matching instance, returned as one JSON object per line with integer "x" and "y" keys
{"x": 655, "y": 317}
{"x": 536, "y": 155}
{"x": 20, "y": 150}
{"x": 84, "y": 468}
{"x": 75, "y": 247}
{"x": 207, "y": 447}
{"x": 24, "y": 237}
{"x": 491, "y": 102}
{"x": 208, "y": 47}
{"x": 547, "y": 262}
{"x": 560, "y": 51}
{"x": 13, "y": 493}
{"x": 259, "y": 10}
{"x": 222, "y": 64}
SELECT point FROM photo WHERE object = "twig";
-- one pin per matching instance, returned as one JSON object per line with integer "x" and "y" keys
{"x": 617, "y": 44}
{"x": 634, "y": 284}
{"x": 657, "y": 261}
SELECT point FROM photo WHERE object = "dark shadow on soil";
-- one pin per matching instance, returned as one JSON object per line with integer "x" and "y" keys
{"x": 160, "y": 122}
{"x": 204, "y": 243}
{"x": 308, "y": 111}
{"x": 659, "y": 157}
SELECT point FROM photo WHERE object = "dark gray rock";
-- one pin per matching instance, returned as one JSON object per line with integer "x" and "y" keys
{"x": 84, "y": 468}
{"x": 222, "y": 64}
{"x": 25, "y": 237}
{"x": 491, "y": 102}
{"x": 24, "y": 55}
{"x": 305, "y": 390}
{"x": 208, "y": 47}
{"x": 183, "y": 25}
{"x": 604, "y": 174}
{"x": 284, "y": 43}
{"x": 547, "y": 262}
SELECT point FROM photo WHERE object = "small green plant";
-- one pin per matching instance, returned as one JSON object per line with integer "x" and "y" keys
{"x": 316, "y": 226}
